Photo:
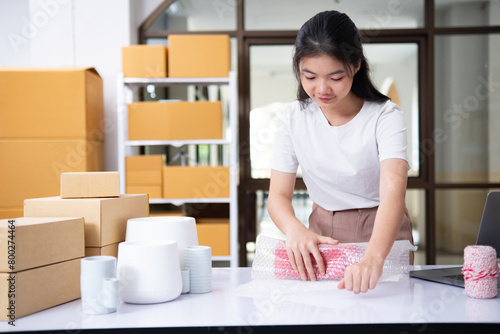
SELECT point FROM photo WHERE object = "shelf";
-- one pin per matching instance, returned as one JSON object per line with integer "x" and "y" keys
{"x": 177, "y": 143}
{"x": 126, "y": 95}
{"x": 159, "y": 82}
{"x": 180, "y": 201}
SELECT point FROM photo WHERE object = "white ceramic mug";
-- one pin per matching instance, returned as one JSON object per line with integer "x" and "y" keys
{"x": 98, "y": 295}
{"x": 180, "y": 229}
{"x": 149, "y": 271}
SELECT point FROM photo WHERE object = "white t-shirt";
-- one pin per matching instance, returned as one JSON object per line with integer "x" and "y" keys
{"x": 340, "y": 164}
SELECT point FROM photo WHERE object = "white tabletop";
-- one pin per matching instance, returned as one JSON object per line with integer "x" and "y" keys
{"x": 415, "y": 303}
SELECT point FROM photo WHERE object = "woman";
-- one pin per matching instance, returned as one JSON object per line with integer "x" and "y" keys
{"x": 350, "y": 141}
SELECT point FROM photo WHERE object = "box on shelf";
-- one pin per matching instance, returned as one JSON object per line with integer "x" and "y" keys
{"x": 195, "y": 182}
{"x": 174, "y": 120}
{"x": 193, "y": 56}
{"x": 36, "y": 242}
{"x": 144, "y": 61}
{"x": 109, "y": 250}
{"x": 214, "y": 232}
{"x": 143, "y": 175}
{"x": 90, "y": 184}
{"x": 105, "y": 218}
{"x": 8, "y": 212}
{"x": 152, "y": 191}
{"x": 51, "y": 103}
{"x": 32, "y": 168}
{"x": 36, "y": 289}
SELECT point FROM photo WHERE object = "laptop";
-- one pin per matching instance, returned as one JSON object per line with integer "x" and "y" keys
{"x": 489, "y": 234}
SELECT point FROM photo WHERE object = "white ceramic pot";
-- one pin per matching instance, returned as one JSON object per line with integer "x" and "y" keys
{"x": 180, "y": 229}
{"x": 149, "y": 271}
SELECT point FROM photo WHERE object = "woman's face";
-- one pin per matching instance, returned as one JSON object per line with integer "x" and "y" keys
{"x": 326, "y": 81}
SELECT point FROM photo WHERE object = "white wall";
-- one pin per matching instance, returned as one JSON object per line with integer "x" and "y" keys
{"x": 56, "y": 33}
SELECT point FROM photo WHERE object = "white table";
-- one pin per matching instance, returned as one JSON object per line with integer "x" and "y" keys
{"x": 412, "y": 306}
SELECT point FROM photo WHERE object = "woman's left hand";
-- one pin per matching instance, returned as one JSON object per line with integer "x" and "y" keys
{"x": 362, "y": 276}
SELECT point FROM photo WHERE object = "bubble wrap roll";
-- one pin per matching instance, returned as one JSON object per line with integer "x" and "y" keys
{"x": 271, "y": 260}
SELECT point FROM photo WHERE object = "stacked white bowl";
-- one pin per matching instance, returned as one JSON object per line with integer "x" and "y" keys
{"x": 198, "y": 260}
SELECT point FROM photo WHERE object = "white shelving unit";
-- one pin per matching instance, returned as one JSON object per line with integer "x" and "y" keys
{"x": 126, "y": 147}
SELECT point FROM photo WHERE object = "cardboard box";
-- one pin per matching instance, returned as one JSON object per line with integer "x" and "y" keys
{"x": 6, "y": 213}
{"x": 141, "y": 170}
{"x": 105, "y": 218}
{"x": 199, "y": 56}
{"x": 33, "y": 290}
{"x": 32, "y": 168}
{"x": 152, "y": 191}
{"x": 36, "y": 242}
{"x": 174, "y": 120}
{"x": 144, "y": 61}
{"x": 195, "y": 182}
{"x": 144, "y": 162}
{"x": 109, "y": 250}
{"x": 90, "y": 184}
{"x": 51, "y": 103}
{"x": 214, "y": 233}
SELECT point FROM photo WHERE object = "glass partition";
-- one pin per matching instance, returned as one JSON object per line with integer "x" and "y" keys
{"x": 273, "y": 84}
{"x": 466, "y": 13}
{"x": 467, "y": 108}
{"x": 458, "y": 216}
{"x": 372, "y": 15}
{"x": 197, "y": 15}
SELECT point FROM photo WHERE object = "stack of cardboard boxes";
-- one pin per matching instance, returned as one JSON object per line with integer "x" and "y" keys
{"x": 187, "y": 56}
{"x": 40, "y": 264}
{"x": 51, "y": 121}
{"x": 144, "y": 175}
{"x": 95, "y": 197}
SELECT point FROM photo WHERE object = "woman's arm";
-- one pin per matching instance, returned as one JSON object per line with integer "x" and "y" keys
{"x": 300, "y": 242}
{"x": 365, "y": 274}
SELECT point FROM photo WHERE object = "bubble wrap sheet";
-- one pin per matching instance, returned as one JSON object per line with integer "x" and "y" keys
{"x": 271, "y": 260}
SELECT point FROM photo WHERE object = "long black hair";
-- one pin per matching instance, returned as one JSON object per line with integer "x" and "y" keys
{"x": 334, "y": 34}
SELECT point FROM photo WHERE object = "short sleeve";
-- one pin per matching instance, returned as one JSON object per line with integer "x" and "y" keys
{"x": 391, "y": 134}
{"x": 284, "y": 158}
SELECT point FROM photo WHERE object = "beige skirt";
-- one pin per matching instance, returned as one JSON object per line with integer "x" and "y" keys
{"x": 354, "y": 225}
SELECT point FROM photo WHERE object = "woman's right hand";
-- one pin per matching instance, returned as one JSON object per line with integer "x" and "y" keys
{"x": 301, "y": 243}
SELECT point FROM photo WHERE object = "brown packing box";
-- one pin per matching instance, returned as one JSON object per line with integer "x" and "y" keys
{"x": 152, "y": 191}
{"x": 90, "y": 184}
{"x": 109, "y": 250}
{"x": 36, "y": 242}
{"x": 105, "y": 218}
{"x": 143, "y": 175}
{"x": 195, "y": 182}
{"x": 32, "y": 168}
{"x": 144, "y": 61}
{"x": 143, "y": 170}
{"x": 199, "y": 56}
{"x": 214, "y": 233}
{"x": 174, "y": 120}
{"x": 144, "y": 162}
{"x": 11, "y": 212}
{"x": 51, "y": 103}
{"x": 37, "y": 289}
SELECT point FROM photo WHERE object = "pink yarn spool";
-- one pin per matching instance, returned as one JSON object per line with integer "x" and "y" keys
{"x": 480, "y": 271}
